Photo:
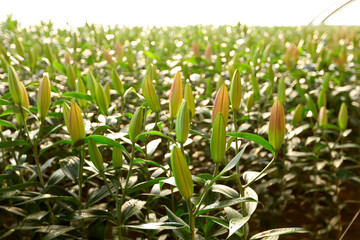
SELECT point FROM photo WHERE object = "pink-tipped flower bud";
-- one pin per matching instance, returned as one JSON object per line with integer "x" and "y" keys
{"x": 176, "y": 95}
{"x": 277, "y": 125}
{"x": 343, "y": 117}
{"x": 221, "y": 104}
{"x": 44, "y": 96}
{"x": 323, "y": 117}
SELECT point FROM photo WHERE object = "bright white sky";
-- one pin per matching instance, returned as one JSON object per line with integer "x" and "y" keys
{"x": 180, "y": 12}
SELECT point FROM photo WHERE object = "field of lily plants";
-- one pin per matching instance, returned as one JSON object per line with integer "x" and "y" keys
{"x": 197, "y": 132}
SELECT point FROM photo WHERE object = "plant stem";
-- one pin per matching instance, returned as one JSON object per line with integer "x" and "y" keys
{"x": 191, "y": 219}
{"x": 80, "y": 175}
{"x": 348, "y": 227}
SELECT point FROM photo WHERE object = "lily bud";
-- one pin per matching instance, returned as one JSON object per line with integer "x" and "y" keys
{"x": 150, "y": 94}
{"x": 107, "y": 93}
{"x": 24, "y": 103}
{"x": 135, "y": 125}
{"x": 66, "y": 114}
{"x": 321, "y": 101}
{"x": 117, "y": 82}
{"x": 297, "y": 115}
{"x": 181, "y": 173}
{"x": 92, "y": 84}
{"x": 95, "y": 155}
{"x": 235, "y": 90}
{"x": 76, "y": 123}
{"x": 108, "y": 57}
{"x": 80, "y": 87}
{"x": 281, "y": 90}
{"x": 323, "y": 117}
{"x": 176, "y": 95}
{"x": 218, "y": 139}
{"x": 277, "y": 125}
{"x": 343, "y": 117}
{"x": 71, "y": 76}
{"x": 119, "y": 50}
{"x": 196, "y": 49}
{"x": 221, "y": 104}
{"x": 14, "y": 85}
{"x": 182, "y": 123}
{"x": 250, "y": 102}
{"x": 44, "y": 96}
{"x": 208, "y": 53}
{"x": 189, "y": 97}
{"x": 117, "y": 157}
{"x": 102, "y": 100}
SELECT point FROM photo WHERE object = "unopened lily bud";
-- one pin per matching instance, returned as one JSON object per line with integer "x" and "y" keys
{"x": 250, "y": 102}
{"x": 95, "y": 155}
{"x": 80, "y": 87}
{"x": 66, "y": 114}
{"x": 150, "y": 95}
{"x": 14, "y": 85}
{"x": 119, "y": 50}
{"x": 218, "y": 139}
{"x": 189, "y": 97}
{"x": 117, "y": 157}
{"x": 181, "y": 173}
{"x": 24, "y": 103}
{"x": 321, "y": 101}
{"x": 281, "y": 90}
{"x": 44, "y": 96}
{"x": 182, "y": 123}
{"x": 235, "y": 90}
{"x": 277, "y": 125}
{"x": 71, "y": 76}
{"x": 76, "y": 123}
{"x": 107, "y": 93}
{"x": 68, "y": 59}
{"x": 176, "y": 95}
{"x": 323, "y": 117}
{"x": 221, "y": 104}
{"x": 297, "y": 115}
{"x": 108, "y": 57}
{"x": 19, "y": 47}
{"x": 208, "y": 53}
{"x": 343, "y": 117}
{"x": 117, "y": 82}
{"x": 196, "y": 49}
{"x": 135, "y": 125}
{"x": 92, "y": 84}
{"x": 102, "y": 100}
{"x": 312, "y": 106}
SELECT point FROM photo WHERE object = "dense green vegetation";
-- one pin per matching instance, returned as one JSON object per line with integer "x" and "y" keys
{"x": 114, "y": 152}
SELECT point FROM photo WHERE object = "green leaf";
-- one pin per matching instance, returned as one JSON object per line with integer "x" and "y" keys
{"x": 145, "y": 184}
{"x": 236, "y": 223}
{"x": 183, "y": 233}
{"x": 58, "y": 232}
{"x": 13, "y": 144}
{"x": 7, "y": 124}
{"x": 70, "y": 166}
{"x": 98, "y": 139}
{"x": 19, "y": 186}
{"x": 226, "y": 203}
{"x": 232, "y": 163}
{"x": 255, "y": 138}
{"x": 56, "y": 177}
{"x": 77, "y": 95}
{"x": 61, "y": 142}
{"x": 156, "y": 133}
{"x": 227, "y": 191}
{"x": 279, "y": 231}
{"x": 98, "y": 195}
{"x": 14, "y": 210}
{"x": 50, "y": 196}
{"x": 193, "y": 132}
{"x": 157, "y": 226}
{"x": 130, "y": 208}
{"x": 5, "y": 102}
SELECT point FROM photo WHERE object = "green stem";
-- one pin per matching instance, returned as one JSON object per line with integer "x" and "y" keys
{"x": 191, "y": 219}
{"x": 80, "y": 175}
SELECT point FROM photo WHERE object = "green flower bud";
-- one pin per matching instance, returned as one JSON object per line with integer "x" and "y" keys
{"x": 119, "y": 50}
{"x": 80, "y": 87}
{"x": 250, "y": 102}
{"x": 181, "y": 173}
{"x": 117, "y": 82}
{"x": 221, "y": 104}
{"x": 281, "y": 90}
{"x": 135, "y": 125}
{"x": 14, "y": 85}
{"x": 24, "y": 103}
{"x": 343, "y": 117}
{"x": 92, "y": 84}
{"x": 19, "y": 47}
{"x": 321, "y": 101}
{"x": 102, "y": 100}
{"x": 150, "y": 95}
{"x": 189, "y": 97}
{"x": 107, "y": 93}
{"x": 44, "y": 96}
{"x": 277, "y": 125}
{"x": 117, "y": 157}
{"x": 71, "y": 76}
{"x": 176, "y": 95}
{"x": 218, "y": 139}
{"x": 297, "y": 115}
{"x": 182, "y": 123}
{"x": 95, "y": 155}
{"x": 76, "y": 123}
{"x": 235, "y": 90}
{"x": 66, "y": 114}
{"x": 312, "y": 106}
{"x": 323, "y": 117}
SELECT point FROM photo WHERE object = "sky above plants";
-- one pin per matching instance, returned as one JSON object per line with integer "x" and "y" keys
{"x": 184, "y": 12}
